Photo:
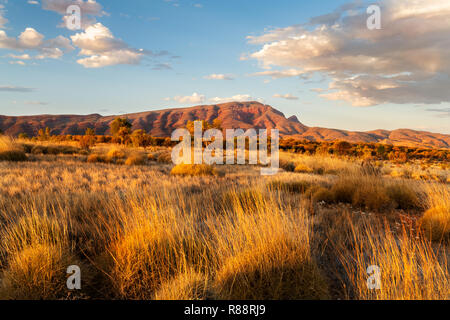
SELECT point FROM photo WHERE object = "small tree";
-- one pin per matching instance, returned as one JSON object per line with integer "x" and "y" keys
{"x": 139, "y": 138}
{"x": 342, "y": 147}
{"x": 44, "y": 134}
{"x": 88, "y": 140}
{"x": 118, "y": 124}
{"x": 23, "y": 135}
{"x": 121, "y": 129}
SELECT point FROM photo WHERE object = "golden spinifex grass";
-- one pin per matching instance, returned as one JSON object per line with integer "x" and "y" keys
{"x": 10, "y": 150}
{"x": 410, "y": 268}
{"x": 140, "y": 232}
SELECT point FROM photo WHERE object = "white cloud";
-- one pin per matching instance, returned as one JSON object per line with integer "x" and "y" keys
{"x": 89, "y": 10}
{"x": 237, "y": 98}
{"x": 278, "y": 74}
{"x": 216, "y": 76}
{"x": 20, "y": 57}
{"x": 20, "y": 63}
{"x": 3, "y": 20}
{"x": 407, "y": 61}
{"x": 9, "y": 88}
{"x": 193, "y": 99}
{"x": 33, "y": 2}
{"x": 36, "y": 103}
{"x": 285, "y": 96}
{"x": 103, "y": 49}
{"x": 30, "y": 39}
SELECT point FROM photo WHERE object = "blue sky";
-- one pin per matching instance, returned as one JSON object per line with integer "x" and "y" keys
{"x": 155, "y": 54}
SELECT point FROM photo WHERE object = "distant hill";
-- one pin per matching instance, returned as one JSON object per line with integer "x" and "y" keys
{"x": 233, "y": 115}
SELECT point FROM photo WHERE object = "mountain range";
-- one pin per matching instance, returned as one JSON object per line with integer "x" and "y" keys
{"x": 233, "y": 115}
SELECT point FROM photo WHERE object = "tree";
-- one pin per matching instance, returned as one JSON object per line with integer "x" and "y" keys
{"x": 140, "y": 139}
{"x": 44, "y": 135}
{"x": 121, "y": 129}
{"x": 342, "y": 147}
{"x": 23, "y": 135}
{"x": 88, "y": 140}
{"x": 89, "y": 132}
{"x": 381, "y": 151}
{"x": 118, "y": 124}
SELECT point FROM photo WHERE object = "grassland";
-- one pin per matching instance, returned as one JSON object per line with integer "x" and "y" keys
{"x": 141, "y": 229}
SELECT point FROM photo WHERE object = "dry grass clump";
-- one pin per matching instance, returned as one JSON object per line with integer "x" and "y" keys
{"x": 54, "y": 149}
{"x": 11, "y": 151}
{"x": 136, "y": 159}
{"x": 322, "y": 194}
{"x": 266, "y": 256}
{"x": 404, "y": 196}
{"x": 95, "y": 158}
{"x": 193, "y": 170}
{"x": 287, "y": 165}
{"x": 410, "y": 269}
{"x": 37, "y": 273}
{"x": 115, "y": 154}
{"x": 154, "y": 246}
{"x": 248, "y": 200}
{"x": 289, "y": 186}
{"x": 302, "y": 168}
{"x": 35, "y": 255}
{"x": 164, "y": 157}
{"x": 374, "y": 193}
{"x": 436, "y": 221}
{"x": 436, "y": 224}
{"x": 189, "y": 285}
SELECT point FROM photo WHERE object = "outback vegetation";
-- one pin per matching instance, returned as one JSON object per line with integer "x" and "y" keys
{"x": 141, "y": 228}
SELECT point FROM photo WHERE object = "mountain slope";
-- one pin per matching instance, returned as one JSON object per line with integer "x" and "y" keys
{"x": 233, "y": 115}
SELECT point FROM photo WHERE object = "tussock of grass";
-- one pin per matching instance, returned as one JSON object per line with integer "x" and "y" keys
{"x": 136, "y": 159}
{"x": 409, "y": 269}
{"x": 193, "y": 170}
{"x": 404, "y": 196}
{"x": 322, "y": 194}
{"x": 37, "y": 273}
{"x": 289, "y": 186}
{"x": 436, "y": 224}
{"x": 267, "y": 256}
{"x": 11, "y": 151}
{"x": 189, "y": 285}
{"x": 54, "y": 149}
{"x": 302, "y": 168}
{"x": 374, "y": 193}
{"x": 115, "y": 154}
{"x": 436, "y": 221}
{"x": 248, "y": 200}
{"x": 95, "y": 158}
{"x": 164, "y": 157}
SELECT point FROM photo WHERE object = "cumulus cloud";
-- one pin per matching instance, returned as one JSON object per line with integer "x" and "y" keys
{"x": 237, "y": 98}
{"x": 285, "y": 96}
{"x": 102, "y": 49}
{"x": 407, "y": 61}
{"x": 89, "y": 10}
{"x": 219, "y": 76}
{"x": 194, "y": 98}
{"x": 30, "y": 39}
{"x": 3, "y": 20}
